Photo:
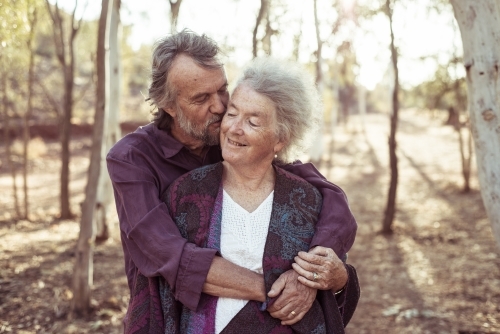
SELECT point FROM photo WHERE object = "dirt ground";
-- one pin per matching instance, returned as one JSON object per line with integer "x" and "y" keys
{"x": 438, "y": 273}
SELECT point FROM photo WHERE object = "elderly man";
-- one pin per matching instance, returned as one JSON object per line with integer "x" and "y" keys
{"x": 189, "y": 91}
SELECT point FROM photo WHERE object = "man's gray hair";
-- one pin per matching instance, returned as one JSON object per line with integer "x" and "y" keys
{"x": 295, "y": 97}
{"x": 201, "y": 49}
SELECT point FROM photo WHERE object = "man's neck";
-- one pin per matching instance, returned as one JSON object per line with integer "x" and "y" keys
{"x": 195, "y": 146}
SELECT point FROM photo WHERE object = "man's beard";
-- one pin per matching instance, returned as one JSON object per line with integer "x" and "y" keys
{"x": 199, "y": 131}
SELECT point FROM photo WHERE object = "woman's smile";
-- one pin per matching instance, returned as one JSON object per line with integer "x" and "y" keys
{"x": 234, "y": 143}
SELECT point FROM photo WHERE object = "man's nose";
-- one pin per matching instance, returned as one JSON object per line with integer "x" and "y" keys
{"x": 218, "y": 105}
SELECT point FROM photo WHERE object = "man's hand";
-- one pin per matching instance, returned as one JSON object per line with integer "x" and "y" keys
{"x": 321, "y": 269}
{"x": 295, "y": 300}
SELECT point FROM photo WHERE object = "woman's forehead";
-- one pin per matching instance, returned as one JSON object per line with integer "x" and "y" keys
{"x": 246, "y": 99}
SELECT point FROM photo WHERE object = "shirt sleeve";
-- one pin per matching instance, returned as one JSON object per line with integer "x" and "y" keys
{"x": 336, "y": 226}
{"x": 151, "y": 237}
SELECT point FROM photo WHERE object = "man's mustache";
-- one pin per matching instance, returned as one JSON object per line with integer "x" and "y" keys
{"x": 216, "y": 119}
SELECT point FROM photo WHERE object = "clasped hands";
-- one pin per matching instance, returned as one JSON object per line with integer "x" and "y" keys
{"x": 320, "y": 268}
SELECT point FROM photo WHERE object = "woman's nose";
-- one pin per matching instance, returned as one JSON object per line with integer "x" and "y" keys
{"x": 235, "y": 126}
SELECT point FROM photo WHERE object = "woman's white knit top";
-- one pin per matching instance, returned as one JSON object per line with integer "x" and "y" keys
{"x": 243, "y": 238}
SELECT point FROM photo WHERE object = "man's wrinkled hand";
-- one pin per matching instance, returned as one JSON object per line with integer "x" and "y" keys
{"x": 295, "y": 299}
{"x": 321, "y": 269}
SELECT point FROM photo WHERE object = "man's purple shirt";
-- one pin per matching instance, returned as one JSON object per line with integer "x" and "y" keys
{"x": 143, "y": 164}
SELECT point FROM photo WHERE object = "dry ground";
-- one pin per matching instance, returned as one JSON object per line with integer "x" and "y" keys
{"x": 438, "y": 273}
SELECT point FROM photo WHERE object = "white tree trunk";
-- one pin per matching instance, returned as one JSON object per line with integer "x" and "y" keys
{"x": 111, "y": 120}
{"x": 84, "y": 271}
{"x": 479, "y": 23}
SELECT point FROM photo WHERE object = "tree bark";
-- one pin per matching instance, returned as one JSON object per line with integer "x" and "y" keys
{"x": 83, "y": 272}
{"x": 390, "y": 209}
{"x": 479, "y": 23}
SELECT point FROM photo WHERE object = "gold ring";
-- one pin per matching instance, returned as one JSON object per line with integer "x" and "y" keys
{"x": 315, "y": 276}
{"x": 293, "y": 313}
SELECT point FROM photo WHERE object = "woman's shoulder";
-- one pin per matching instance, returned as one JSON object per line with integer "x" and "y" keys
{"x": 292, "y": 191}
{"x": 289, "y": 186}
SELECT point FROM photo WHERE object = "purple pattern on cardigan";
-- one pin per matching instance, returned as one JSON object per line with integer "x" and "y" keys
{"x": 202, "y": 203}
{"x": 145, "y": 314}
{"x": 203, "y": 321}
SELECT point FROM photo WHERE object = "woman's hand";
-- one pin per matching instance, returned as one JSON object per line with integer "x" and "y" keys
{"x": 294, "y": 299}
{"x": 321, "y": 268}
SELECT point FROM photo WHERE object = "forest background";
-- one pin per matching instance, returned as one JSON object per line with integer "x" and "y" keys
{"x": 400, "y": 99}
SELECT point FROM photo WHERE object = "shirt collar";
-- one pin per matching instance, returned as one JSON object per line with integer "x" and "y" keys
{"x": 169, "y": 145}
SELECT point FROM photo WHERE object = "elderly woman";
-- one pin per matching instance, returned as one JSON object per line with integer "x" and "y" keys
{"x": 256, "y": 214}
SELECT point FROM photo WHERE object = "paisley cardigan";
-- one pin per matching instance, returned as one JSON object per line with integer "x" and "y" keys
{"x": 195, "y": 203}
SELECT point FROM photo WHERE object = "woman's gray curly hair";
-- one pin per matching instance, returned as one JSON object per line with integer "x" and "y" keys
{"x": 201, "y": 49}
{"x": 295, "y": 97}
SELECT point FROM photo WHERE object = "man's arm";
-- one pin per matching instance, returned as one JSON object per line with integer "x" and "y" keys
{"x": 335, "y": 229}
{"x": 243, "y": 283}
{"x": 156, "y": 246}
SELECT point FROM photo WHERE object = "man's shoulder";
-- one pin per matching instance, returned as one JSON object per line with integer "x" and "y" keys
{"x": 141, "y": 139}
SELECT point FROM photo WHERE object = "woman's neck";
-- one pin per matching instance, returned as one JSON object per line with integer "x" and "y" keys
{"x": 248, "y": 186}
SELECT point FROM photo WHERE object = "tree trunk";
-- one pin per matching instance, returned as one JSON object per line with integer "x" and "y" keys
{"x": 174, "y": 14}
{"x": 83, "y": 272}
{"x": 316, "y": 150}
{"x": 6, "y": 134}
{"x": 29, "y": 109}
{"x": 319, "y": 55}
{"x": 267, "y": 43}
{"x": 65, "y": 141}
{"x": 264, "y": 6}
{"x": 453, "y": 117}
{"x": 390, "y": 209}
{"x": 479, "y": 23}
{"x": 66, "y": 59}
{"x": 112, "y": 130}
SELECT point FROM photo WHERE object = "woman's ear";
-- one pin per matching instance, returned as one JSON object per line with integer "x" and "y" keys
{"x": 279, "y": 146}
{"x": 282, "y": 142}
